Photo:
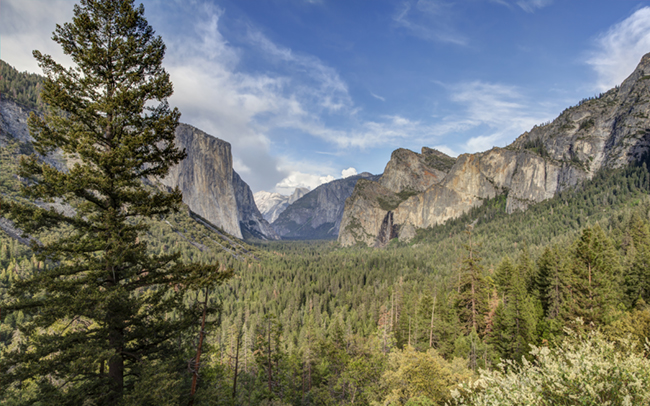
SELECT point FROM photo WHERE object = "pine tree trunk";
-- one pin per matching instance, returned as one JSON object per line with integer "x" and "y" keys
{"x": 195, "y": 375}
{"x": 433, "y": 310}
{"x": 234, "y": 380}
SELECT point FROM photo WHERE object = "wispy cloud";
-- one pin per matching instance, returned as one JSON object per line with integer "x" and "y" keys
{"x": 324, "y": 84}
{"x": 530, "y": 6}
{"x": 377, "y": 97}
{"x": 500, "y": 111}
{"x": 431, "y": 20}
{"x": 619, "y": 49}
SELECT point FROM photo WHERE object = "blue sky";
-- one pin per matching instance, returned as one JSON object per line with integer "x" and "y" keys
{"x": 312, "y": 90}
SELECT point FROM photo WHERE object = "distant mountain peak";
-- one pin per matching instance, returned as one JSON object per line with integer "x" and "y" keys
{"x": 272, "y": 204}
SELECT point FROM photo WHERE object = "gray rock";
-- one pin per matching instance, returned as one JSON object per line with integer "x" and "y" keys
{"x": 317, "y": 215}
{"x": 609, "y": 131}
{"x": 251, "y": 221}
{"x": 205, "y": 178}
{"x": 410, "y": 171}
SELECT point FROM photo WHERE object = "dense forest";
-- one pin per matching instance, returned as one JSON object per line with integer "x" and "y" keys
{"x": 313, "y": 323}
{"x": 546, "y": 306}
{"x": 22, "y": 87}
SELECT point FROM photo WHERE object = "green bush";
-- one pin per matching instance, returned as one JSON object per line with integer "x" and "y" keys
{"x": 584, "y": 370}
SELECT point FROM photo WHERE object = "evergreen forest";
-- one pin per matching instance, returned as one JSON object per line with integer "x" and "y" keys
{"x": 550, "y": 306}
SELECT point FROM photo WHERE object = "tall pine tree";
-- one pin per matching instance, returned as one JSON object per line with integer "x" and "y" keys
{"x": 100, "y": 311}
{"x": 472, "y": 297}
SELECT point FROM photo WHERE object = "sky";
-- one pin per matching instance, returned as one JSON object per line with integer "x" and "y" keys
{"x": 308, "y": 91}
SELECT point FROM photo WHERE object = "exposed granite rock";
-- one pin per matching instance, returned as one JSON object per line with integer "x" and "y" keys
{"x": 363, "y": 216}
{"x": 410, "y": 171}
{"x": 406, "y": 174}
{"x": 318, "y": 213}
{"x": 14, "y": 129}
{"x": 13, "y": 122}
{"x": 272, "y": 204}
{"x": 206, "y": 178}
{"x": 610, "y": 131}
{"x": 251, "y": 221}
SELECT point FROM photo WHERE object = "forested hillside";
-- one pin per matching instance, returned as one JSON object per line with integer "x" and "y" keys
{"x": 311, "y": 323}
{"x": 22, "y": 87}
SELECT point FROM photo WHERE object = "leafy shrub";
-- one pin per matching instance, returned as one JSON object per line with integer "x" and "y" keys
{"x": 585, "y": 370}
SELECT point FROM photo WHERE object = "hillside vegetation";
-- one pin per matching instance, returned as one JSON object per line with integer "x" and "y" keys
{"x": 490, "y": 301}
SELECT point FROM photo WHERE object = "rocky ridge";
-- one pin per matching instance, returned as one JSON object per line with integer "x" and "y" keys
{"x": 317, "y": 215}
{"x": 608, "y": 131}
{"x": 368, "y": 215}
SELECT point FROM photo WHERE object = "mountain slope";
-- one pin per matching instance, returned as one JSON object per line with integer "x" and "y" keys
{"x": 209, "y": 184}
{"x": 610, "y": 131}
{"x": 251, "y": 221}
{"x": 317, "y": 214}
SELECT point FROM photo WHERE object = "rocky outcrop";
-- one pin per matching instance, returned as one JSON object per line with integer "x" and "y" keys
{"x": 410, "y": 171}
{"x": 13, "y": 122}
{"x": 317, "y": 215}
{"x": 272, "y": 204}
{"x": 364, "y": 213}
{"x": 14, "y": 130}
{"x": 206, "y": 178}
{"x": 212, "y": 189}
{"x": 609, "y": 131}
{"x": 368, "y": 216}
{"x": 251, "y": 221}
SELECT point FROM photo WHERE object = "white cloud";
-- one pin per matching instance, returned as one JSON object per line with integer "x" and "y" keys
{"x": 445, "y": 149}
{"x": 501, "y": 111}
{"x": 346, "y": 173}
{"x": 300, "y": 179}
{"x": 377, "y": 97}
{"x": 325, "y": 87}
{"x": 620, "y": 49}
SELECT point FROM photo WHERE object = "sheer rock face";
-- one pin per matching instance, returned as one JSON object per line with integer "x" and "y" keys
{"x": 212, "y": 189}
{"x": 317, "y": 215}
{"x": 206, "y": 178}
{"x": 610, "y": 131}
{"x": 251, "y": 221}
{"x": 271, "y": 205}
{"x": 13, "y": 122}
{"x": 14, "y": 129}
{"x": 364, "y": 216}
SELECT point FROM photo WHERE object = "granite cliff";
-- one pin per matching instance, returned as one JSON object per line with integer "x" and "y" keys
{"x": 608, "y": 131}
{"x": 317, "y": 215}
{"x": 251, "y": 222}
{"x": 212, "y": 189}
{"x": 368, "y": 215}
{"x": 210, "y": 186}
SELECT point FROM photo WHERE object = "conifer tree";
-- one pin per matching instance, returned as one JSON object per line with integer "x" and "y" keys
{"x": 515, "y": 318}
{"x": 598, "y": 275}
{"x": 554, "y": 282}
{"x": 100, "y": 310}
{"x": 636, "y": 246}
{"x": 472, "y": 297}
